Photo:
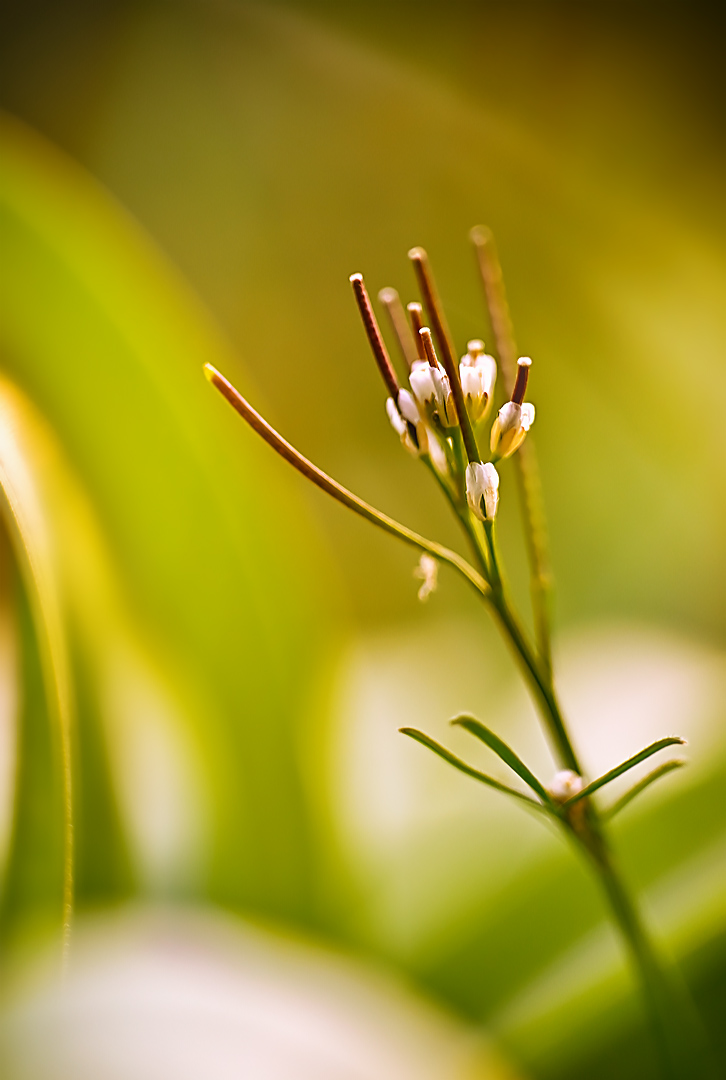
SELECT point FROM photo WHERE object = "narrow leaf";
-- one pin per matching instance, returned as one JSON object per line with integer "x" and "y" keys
{"x": 636, "y": 789}
{"x": 426, "y": 740}
{"x": 507, "y": 755}
{"x": 672, "y": 740}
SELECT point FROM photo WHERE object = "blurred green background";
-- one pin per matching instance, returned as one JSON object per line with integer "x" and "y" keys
{"x": 194, "y": 181}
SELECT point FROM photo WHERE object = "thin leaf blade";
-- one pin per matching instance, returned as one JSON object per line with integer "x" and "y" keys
{"x": 636, "y": 759}
{"x": 636, "y": 789}
{"x": 452, "y": 759}
{"x": 504, "y": 752}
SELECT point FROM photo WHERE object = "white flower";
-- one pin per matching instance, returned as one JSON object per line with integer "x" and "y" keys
{"x": 428, "y": 571}
{"x": 515, "y": 418}
{"x": 482, "y": 489}
{"x": 431, "y": 389}
{"x": 565, "y": 784}
{"x": 510, "y": 427}
{"x": 478, "y": 372}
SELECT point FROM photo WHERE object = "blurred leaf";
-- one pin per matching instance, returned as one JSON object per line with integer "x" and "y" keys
{"x": 108, "y": 340}
{"x": 65, "y": 819}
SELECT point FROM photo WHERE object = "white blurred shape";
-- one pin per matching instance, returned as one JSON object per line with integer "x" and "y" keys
{"x": 625, "y": 686}
{"x": 429, "y": 846}
{"x": 184, "y": 996}
{"x": 156, "y": 773}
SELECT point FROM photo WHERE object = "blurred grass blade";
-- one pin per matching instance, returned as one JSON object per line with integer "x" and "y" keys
{"x": 66, "y": 834}
{"x": 38, "y": 873}
{"x": 507, "y": 755}
{"x": 107, "y": 338}
{"x": 442, "y": 752}
{"x": 643, "y": 755}
{"x": 636, "y": 789}
{"x": 46, "y": 679}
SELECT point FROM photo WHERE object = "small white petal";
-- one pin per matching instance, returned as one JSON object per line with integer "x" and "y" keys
{"x": 422, "y": 383}
{"x": 488, "y": 366}
{"x": 436, "y": 452}
{"x": 491, "y": 491}
{"x": 470, "y": 380}
{"x": 510, "y": 416}
{"x": 407, "y": 407}
{"x": 527, "y": 415}
{"x": 401, "y": 428}
{"x": 397, "y": 422}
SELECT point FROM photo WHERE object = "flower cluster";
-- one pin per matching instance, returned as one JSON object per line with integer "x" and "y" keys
{"x": 437, "y": 414}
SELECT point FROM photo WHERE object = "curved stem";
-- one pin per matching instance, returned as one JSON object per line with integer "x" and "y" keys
{"x": 462, "y": 516}
{"x": 336, "y": 490}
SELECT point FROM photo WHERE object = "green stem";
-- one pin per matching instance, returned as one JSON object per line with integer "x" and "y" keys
{"x": 336, "y": 490}
{"x": 537, "y": 674}
{"x": 540, "y": 681}
{"x": 462, "y": 516}
{"x": 676, "y": 1031}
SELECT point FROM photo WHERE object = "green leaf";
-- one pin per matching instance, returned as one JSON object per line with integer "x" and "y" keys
{"x": 426, "y": 740}
{"x": 107, "y": 339}
{"x": 65, "y": 827}
{"x": 507, "y": 755}
{"x": 643, "y": 755}
{"x": 636, "y": 789}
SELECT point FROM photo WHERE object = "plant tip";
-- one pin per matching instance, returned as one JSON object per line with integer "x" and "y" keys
{"x": 480, "y": 234}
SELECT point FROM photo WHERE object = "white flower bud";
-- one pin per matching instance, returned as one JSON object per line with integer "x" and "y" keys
{"x": 401, "y": 428}
{"x": 478, "y": 372}
{"x": 408, "y": 408}
{"x": 428, "y": 571}
{"x": 510, "y": 427}
{"x": 565, "y": 784}
{"x": 431, "y": 389}
{"x": 482, "y": 490}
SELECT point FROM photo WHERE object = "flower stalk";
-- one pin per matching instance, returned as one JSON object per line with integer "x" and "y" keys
{"x": 526, "y": 470}
{"x": 435, "y": 418}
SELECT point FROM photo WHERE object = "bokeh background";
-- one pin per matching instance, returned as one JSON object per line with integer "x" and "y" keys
{"x": 194, "y": 181}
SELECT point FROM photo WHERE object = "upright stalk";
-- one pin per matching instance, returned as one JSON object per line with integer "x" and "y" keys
{"x": 525, "y": 463}
{"x": 678, "y": 1053}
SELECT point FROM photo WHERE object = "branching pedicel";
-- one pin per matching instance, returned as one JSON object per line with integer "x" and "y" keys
{"x": 438, "y": 418}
